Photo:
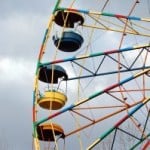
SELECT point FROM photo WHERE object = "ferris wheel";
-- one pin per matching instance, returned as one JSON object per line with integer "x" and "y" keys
{"x": 92, "y": 80}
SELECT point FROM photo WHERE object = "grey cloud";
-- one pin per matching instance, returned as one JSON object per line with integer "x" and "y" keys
{"x": 8, "y": 7}
{"x": 15, "y": 114}
{"x": 20, "y": 35}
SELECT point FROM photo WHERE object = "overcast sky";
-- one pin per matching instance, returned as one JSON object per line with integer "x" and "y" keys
{"x": 22, "y": 25}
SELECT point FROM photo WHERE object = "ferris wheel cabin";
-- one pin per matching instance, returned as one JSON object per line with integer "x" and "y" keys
{"x": 70, "y": 40}
{"x": 47, "y": 131}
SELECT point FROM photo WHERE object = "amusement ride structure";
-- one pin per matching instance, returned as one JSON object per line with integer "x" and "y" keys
{"x": 92, "y": 80}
